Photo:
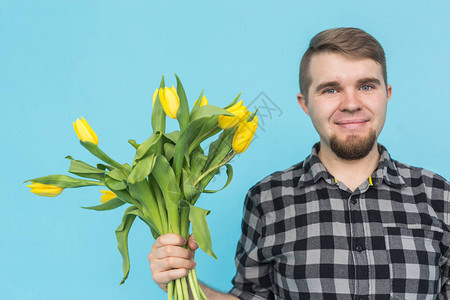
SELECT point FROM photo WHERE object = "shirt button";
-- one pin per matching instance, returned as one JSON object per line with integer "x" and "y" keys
{"x": 353, "y": 200}
{"x": 359, "y": 248}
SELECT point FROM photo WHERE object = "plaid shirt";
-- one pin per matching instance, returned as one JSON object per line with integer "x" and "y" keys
{"x": 305, "y": 235}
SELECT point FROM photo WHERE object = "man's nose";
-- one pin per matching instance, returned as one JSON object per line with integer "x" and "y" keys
{"x": 350, "y": 101}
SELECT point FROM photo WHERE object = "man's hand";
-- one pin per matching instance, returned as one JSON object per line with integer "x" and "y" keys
{"x": 169, "y": 260}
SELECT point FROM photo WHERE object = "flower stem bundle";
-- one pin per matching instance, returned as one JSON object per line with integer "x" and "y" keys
{"x": 167, "y": 175}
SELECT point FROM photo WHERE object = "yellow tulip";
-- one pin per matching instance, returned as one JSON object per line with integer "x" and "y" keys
{"x": 84, "y": 131}
{"x": 240, "y": 113}
{"x": 46, "y": 190}
{"x": 154, "y": 96}
{"x": 203, "y": 101}
{"x": 244, "y": 135}
{"x": 169, "y": 101}
{"x": 107, "y": 195}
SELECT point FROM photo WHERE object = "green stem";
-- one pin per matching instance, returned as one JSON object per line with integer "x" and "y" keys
{"x": 194, "y": 273}
{"x": 170, "y": 294}
{"x": 185, "y": 288}
{"x": 95, "y": 150}
{"x": 224, "y": 162}
{"x": 194, "y": 286}
{"x": 179, "y": 288}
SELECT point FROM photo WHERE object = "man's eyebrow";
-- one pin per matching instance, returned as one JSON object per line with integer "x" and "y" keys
{"x": 328, "y": 84}
{"x": 372, "y": 80}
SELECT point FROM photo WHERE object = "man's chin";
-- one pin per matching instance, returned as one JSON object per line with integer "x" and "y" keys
{"x": 354, "y": 147}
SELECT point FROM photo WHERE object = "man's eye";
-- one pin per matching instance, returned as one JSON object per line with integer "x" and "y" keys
{"x": 329, "y": 91}
{"x": 366, "y": 87}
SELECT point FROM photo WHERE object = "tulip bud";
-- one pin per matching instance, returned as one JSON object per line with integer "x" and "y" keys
{"x": 203, "y": 101}
{"x": 244, "y": 135}
{"x": 107, "y": 195}
{"x": 169, "y": 101}
{"x": 46, "y": 190}
{"x": 154, "y": 96}
{"x": 240, "y": 113}
{"x": 84, "y": 131}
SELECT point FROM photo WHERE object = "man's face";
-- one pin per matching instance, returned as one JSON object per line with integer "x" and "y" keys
{"x": 347, "y": 103}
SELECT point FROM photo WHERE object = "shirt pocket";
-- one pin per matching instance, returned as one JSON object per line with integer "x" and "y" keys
{"x": 414, "y": 256}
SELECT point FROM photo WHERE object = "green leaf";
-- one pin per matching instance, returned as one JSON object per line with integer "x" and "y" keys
{"x": 82, "y": 169}
{"x": 115, "y": 184}
{"x": 143, "y": 193}
{"x": 165, "y": 177}
{"x": 200, "y": 229}
{"x": 169, "y": 151}
{"x": 125, "y": 197}
{"x": 78, "y": 166}
{"x": 189, "y": 190}
{"x": 252, "y": 116}
{"x": 184, "y": 217}
{"x": 161, "y": 203}
{"x": 229, "y": 178}
{"x": 220, "y": 148}
{"x": 158, "y": 114}
{"x": 142, "y": 169}
{"x": 151, "y": 145}
{"x": 183, "y": 110}
{"x": 126, "y": 169}
{"x": 233, "y": 102}
{"x": 111, "y": 204}
{"x": 122, "y": 239}
{"x": 115, "y": 179}
{"x": 173, "y": 136}
{"x": 208, "y": 111}
{"x": 117, "y": 175}
{"x": 104, "y": 167}
{"x": 133, "y": 143}
{"x": 64, "y": 181}
{"x": 185, "y": 139}
{"x": 208, "y": 129}
{"x": 197, "y": 103}
{"x": 95, "y": 150}
{"x": 147, "y": 221}
{"x": 198, "y": 161}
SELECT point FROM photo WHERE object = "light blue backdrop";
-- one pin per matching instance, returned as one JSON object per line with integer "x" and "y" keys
{"x": 60, "y": 60}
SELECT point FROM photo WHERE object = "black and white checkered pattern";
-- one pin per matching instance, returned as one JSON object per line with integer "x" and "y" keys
{"x": 307, "y": 236}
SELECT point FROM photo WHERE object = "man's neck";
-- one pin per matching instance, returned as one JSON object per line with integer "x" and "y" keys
{"x": 351, "y": 172}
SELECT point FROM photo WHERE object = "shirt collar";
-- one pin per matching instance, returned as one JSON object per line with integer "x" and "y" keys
{"x": 386, "y": 170}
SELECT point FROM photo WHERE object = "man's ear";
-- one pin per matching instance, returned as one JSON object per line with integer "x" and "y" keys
{"x": 302, "y": 101}
{"x": 389, "y": 92}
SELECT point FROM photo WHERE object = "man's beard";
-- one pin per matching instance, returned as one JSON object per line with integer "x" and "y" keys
{"x": 354, "y": 147}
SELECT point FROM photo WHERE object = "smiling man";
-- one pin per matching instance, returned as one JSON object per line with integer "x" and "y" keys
{"x": 348, "y": 222}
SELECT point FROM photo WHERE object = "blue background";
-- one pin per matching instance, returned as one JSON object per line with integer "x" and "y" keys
{"x": 102, "y": 60}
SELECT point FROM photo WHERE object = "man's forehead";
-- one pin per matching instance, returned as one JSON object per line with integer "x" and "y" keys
{"x": 337, "y": 67}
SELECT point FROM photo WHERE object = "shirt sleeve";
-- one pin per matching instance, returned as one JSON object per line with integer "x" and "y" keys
{"x": 254, "y": 276}
{"x": 445, "y": 268}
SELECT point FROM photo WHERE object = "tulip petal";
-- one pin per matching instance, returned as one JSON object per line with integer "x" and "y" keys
{"x": 92, "y": 134}
{"x": 107, "y": 195}
{"x": 154, "y": 97}
{"x": 46, "y": 190}
{"x": 204, "y": 101}
{"x": 169, "y": 101}
{"x": 244, "y": 135}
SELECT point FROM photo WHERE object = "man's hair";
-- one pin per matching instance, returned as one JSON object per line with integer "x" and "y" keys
{"x": 351, "y": 42}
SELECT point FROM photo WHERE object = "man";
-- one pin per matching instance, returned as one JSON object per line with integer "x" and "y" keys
{"x": 348, "y": 222}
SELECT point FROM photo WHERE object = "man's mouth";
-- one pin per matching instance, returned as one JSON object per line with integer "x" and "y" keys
{"x": 351, "y": 124}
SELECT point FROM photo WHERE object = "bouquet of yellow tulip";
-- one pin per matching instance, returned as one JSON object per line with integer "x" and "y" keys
{"x": 168, "y": 173}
